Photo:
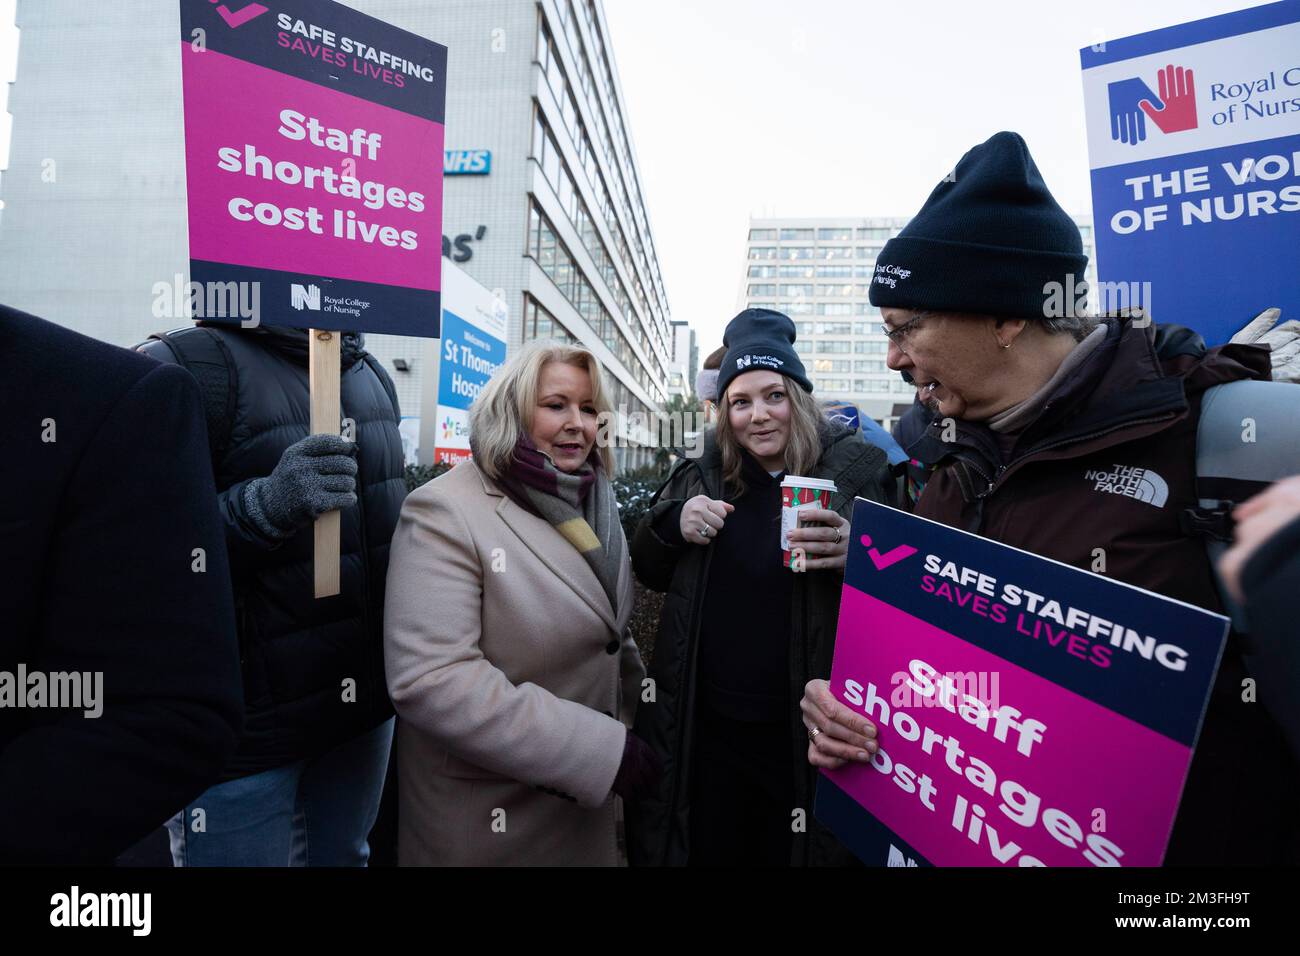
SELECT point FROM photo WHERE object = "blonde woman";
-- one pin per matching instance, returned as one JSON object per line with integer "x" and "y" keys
{"x": 740, "y": 634}
{"x": 508, "y": 598}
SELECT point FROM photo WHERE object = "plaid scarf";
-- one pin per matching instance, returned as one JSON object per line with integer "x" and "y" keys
{"x": 581, "y": 506}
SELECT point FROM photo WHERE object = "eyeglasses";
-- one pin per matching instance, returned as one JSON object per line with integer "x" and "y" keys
{"x": 896, "y": 335}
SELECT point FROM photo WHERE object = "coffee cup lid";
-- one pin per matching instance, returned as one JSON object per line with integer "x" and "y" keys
{"x": 814, "y": 484}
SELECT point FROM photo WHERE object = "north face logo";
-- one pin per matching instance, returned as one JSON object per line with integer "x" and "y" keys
{"x": 1140, "y": 483}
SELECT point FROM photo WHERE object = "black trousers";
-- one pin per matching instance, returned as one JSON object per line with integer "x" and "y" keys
{"x": 742, "y": 792}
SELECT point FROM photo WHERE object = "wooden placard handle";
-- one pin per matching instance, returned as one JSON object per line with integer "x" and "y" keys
{"x": 323, "y": 360}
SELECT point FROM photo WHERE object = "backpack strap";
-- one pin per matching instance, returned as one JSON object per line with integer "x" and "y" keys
{"x": 382, "y": 374}
{"x": 1248, "y": 437}
{"x": 201, "y": 351}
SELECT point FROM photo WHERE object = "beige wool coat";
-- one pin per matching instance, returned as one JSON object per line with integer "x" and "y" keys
{"x": 513, "y": 681}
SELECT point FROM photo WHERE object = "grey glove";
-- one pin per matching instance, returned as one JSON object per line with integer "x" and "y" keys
{"x": 1284, "y": 340}
{"x": 313, "y": 476}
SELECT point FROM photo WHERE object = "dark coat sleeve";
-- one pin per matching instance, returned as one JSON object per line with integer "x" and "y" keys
{"x": 242, "y": 536}
{"x": 1270, "y": 582}
{"x": 123, "y": 599}
{"x": 658, "y": 542}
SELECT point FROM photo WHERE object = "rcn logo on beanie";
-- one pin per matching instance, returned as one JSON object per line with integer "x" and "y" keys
{"x": 890, "y": 275}
{"x": 767, "y": 361}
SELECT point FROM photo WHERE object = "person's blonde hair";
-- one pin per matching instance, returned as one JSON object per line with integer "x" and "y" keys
{"x": 504, "y": 409}
{"x": 803, "y": 447}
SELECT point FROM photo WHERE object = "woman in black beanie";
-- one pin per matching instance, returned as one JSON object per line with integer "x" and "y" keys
{"x": 741, "y": 633}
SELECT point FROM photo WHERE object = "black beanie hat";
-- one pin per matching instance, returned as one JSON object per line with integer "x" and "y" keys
{"x": 988, "y": 239}
{"x": 760, "y": 339}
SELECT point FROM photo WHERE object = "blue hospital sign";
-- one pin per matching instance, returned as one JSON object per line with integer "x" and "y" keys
{"x": 466, "y": 162}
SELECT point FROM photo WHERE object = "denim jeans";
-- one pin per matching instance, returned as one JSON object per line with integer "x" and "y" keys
{"x": 315, "y": 812}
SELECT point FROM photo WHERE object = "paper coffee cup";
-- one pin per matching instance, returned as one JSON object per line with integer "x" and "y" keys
{"x": 799, "y": 492}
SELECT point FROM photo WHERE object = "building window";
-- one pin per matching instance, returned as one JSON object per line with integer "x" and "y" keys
{"x": 797, "y": 291}
{"x": 538, "y": 323}
{"x": 836, "y": 290}
{"x": 832, "y": 365}
{"x": 835, "y": 308}
{"x": 762, "y": 272}
{"x": 762, "y": 252}
{"x": 834, "y": 235}
{"x": 762, "y": 235}
{"x": 795, "y": 235}
{"x": 795, "y": 272}
{"x": 835, "y": 346}
{"x": 795, "y": 252}
{"x": 757, "y": 289}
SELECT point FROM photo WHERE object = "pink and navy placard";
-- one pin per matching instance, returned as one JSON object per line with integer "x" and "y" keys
{"x": 314, "y": 154}
{"x": 1029, "y": 713}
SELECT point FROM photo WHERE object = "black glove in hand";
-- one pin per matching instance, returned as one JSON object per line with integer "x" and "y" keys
{"x": 313, "y": 476}
{"x": 639, "y": 771}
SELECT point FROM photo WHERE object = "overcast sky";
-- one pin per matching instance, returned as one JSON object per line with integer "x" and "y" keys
{"x": 842, "y": 108}
{"x": 828, "y": 107}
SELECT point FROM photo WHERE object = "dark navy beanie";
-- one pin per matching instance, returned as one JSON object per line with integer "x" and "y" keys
{"x": 760, "y": 339}
{"x": 988, "y": 240}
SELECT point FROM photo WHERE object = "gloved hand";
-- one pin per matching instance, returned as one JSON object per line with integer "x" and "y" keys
{"x": 315, "y": 475}
{"x": 639, "y": 770}
{"x": 1284, "y": 340}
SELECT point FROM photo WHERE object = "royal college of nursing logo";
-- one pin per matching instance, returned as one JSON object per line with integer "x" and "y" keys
{"x": 1140, "y": 483}
{"x": 1132, "y": 103}
{"x": 304, "y": 297}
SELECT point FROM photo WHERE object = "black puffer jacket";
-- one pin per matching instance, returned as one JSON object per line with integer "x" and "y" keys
{"x": 659, "y": 825}
{"x": 297, "y": 652}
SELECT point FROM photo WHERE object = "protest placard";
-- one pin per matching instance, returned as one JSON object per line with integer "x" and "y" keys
{"x": 1029, "y": 713}
{"x": 314, "y": 157}
{"x": 1194, "y": 143}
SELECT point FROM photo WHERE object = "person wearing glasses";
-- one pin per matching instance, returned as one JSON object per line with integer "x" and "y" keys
{"x": 1023, "y": 405}
{"x": 740, "y": 632}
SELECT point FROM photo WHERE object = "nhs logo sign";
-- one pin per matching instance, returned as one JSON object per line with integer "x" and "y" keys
{"x": 466, "y": 162}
